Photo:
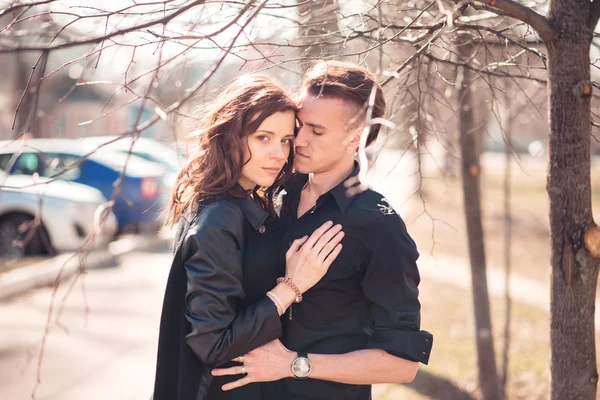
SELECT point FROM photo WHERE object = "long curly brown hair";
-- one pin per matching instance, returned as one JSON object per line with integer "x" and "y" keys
{"x": 216, "y": 155}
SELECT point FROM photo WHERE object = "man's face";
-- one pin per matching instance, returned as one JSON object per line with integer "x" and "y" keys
{"x": 322, "y": 142}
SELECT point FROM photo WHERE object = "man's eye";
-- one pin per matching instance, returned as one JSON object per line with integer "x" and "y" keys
{"x": 317, "y": 133}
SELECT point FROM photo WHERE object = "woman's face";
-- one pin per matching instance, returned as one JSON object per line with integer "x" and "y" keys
{"x": 267, "y": 150}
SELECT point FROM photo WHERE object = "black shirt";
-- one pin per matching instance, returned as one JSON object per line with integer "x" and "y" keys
{"x": 369, "y": 296}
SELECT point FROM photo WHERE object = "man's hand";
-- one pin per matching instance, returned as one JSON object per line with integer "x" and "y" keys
{"x": 270, "y": 362}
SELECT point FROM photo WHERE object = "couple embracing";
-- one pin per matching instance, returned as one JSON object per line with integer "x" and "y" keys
{"x": 283, "y": 286}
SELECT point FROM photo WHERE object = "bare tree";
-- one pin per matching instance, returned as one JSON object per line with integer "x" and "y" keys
{"x": 567, "y": 30}
{"x": 318, "y": 27}
{"x": 471, "y": 172}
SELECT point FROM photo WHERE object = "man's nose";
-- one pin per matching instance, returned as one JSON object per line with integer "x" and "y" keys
{"x": 301, "y": 138}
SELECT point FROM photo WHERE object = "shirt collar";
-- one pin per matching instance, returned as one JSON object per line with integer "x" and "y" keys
{"x": 255, "y": 215}
{"x": 339, "y": 192}
{"x": 295, "y": 184}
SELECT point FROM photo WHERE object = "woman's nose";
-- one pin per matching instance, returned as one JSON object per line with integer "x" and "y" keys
{"x": 278, "y": 152}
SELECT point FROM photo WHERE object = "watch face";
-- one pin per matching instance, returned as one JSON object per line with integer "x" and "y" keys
{"x": 301, "y": 367}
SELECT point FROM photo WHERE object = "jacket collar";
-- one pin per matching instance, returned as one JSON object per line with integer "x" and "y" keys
{"x": 255, "y": 215}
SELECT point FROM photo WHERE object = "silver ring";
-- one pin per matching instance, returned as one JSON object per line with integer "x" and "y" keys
{"x": 241, "y": 359}
{"x": 243, "y": 369}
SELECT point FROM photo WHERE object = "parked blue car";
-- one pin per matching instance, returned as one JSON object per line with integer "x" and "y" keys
{"x": 139, "y": 203}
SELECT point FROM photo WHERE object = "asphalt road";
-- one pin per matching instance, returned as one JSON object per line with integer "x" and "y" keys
{"x": 108, "y": 345}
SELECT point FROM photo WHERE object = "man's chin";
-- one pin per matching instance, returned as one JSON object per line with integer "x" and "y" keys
{"x": 302, "y": 168}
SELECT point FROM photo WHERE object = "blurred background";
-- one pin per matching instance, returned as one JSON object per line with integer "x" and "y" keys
{"x": 97, "y": 98}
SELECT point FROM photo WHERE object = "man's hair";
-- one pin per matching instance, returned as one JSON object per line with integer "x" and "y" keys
{"x": 349, "y": 82}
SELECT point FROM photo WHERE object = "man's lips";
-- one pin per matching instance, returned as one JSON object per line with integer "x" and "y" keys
{"x": 300, "y": 154}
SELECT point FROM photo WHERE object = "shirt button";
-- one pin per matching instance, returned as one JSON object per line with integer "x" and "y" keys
{"x": 262, "y": 229}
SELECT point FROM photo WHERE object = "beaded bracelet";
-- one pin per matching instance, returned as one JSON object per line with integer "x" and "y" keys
{"x": 288, "y": 281}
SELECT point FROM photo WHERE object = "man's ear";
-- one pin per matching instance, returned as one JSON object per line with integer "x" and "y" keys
{"x": 353, "y": 140}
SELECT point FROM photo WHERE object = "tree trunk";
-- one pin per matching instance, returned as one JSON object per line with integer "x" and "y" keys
{"x": 470, "y": 169}
{"x": 573, "y": 232}
{"x": 20, "y": 85}
{"x": 320, "y": 21}
{"x": 27, "y": 120}
{"x": 507, "y": 249}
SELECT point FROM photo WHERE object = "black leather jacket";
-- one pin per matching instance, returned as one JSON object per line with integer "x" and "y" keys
{"x": 207, "y": 318}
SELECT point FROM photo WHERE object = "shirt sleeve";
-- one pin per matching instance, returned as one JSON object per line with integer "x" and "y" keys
{"x": 221, "y": 329}
{"x": 390, "y": 284}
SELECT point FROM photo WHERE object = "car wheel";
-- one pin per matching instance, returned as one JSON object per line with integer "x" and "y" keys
{"x": 14, "y": 230}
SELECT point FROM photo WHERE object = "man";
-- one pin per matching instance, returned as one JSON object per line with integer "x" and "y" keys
{"x": 360, "y": 324}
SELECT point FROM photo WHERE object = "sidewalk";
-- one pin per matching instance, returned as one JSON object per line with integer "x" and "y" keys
{"x": 43, "y": 273}
{"x": 456, "y": 271}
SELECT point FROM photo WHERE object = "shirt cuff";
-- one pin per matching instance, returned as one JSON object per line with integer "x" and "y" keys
{"x": 410, "y": 345}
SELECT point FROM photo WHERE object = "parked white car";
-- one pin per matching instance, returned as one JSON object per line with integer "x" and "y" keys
{"x": 68, "y": 214}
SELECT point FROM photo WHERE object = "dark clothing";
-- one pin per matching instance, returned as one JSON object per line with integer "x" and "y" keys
{"x": 215, "y": 308}
{"x": 368, "y": 298}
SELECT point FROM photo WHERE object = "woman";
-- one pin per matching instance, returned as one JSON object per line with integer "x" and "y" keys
{"x": 222, "y": 299}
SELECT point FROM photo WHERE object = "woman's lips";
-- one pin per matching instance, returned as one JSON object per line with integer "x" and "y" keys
{"x": 272, "y": 171}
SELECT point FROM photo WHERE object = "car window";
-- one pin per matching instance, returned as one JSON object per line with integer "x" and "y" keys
{"x": 29, "y": 164}
{"x": 44, "y": 164}
{"x": 65, "y": 165}
{"x": 4, "y": 160}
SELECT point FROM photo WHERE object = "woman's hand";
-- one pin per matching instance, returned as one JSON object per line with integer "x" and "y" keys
{"x": 308, "y": 258}
{"x": 267, "y": 363}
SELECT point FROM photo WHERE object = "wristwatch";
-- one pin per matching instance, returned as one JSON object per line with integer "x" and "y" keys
{"x": 301, "y": 366}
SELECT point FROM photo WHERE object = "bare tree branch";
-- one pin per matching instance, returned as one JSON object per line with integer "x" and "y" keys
{"x": 120, "y": 32}
{"x": 523, "y": 13}
{"x": 19, "y": 6}
{"x": 422, "y": 49}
